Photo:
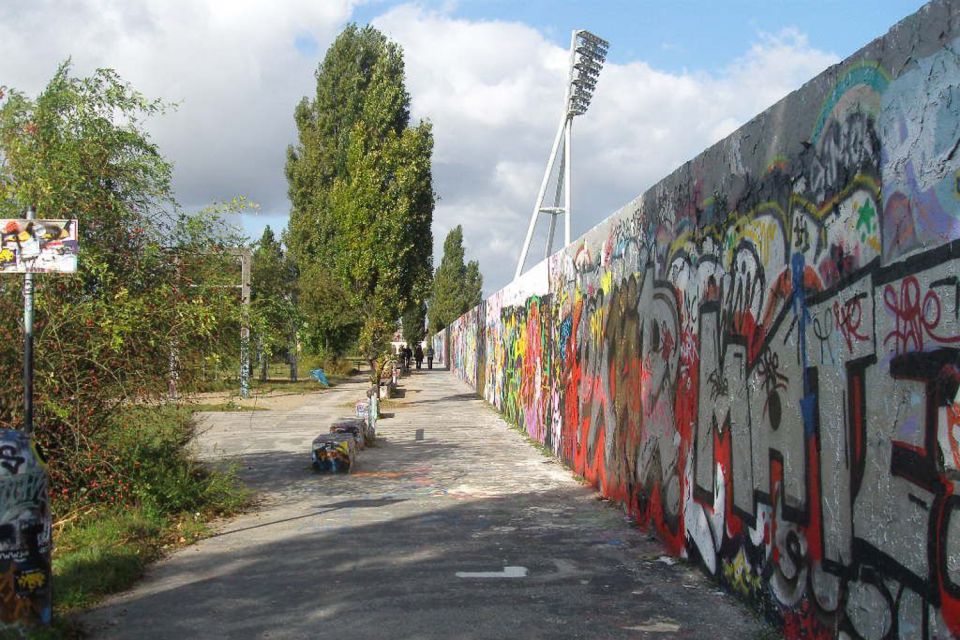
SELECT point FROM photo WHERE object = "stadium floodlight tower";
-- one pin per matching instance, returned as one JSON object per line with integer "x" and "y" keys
{"x": 587, "y": 53}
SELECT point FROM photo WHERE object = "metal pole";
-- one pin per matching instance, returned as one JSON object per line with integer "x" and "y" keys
{"x": 556, "y": 206}
{"x": 28, "y": 346}
{"x": 562, "y": 130}
{"x": 25, "y": 512}
{"x": 539, "y": 203}
{"x": 567, "y": 149}
{"x": 245, "y": 323}
{"x": 553, "y": 226}
{"x": 567, "y": 128}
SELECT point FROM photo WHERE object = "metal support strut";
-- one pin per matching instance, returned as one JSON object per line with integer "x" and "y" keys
{"x": 587, "y": 53}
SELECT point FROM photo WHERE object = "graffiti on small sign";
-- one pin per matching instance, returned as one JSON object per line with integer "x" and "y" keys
{"x": 38, "y": 246}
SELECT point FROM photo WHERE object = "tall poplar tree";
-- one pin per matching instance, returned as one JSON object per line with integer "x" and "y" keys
{"x": 361, "y": 186}
{"x": 457, "y": 287}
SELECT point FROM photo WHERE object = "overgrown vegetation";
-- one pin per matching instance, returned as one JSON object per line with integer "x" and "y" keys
{"x": 102, "y": 547}
{"x": 274, "y": 316}
{"x": 134, "y": 315}
{"x": 149, "y": 307}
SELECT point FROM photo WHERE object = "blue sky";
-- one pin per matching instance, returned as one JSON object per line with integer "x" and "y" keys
{"x": 489, "y": 75}
{"x": 673, "y": 35}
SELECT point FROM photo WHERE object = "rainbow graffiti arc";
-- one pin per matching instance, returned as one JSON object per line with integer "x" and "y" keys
{"x": 760, "y": 356}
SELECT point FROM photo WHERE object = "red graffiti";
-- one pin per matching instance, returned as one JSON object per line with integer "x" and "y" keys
{"x": 848, "y": 317}
{"x": 917, "y": 319}
{"x": 953, "y": 434}
{"x": 949, "y": 601}
{"x": 668, "y": 342}
{"x": 803, "y": 623}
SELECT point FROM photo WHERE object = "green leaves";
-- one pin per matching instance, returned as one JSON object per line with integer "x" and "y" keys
{"x": 457, "y": 287}
{"x": 361, "y": 185}
{"x": 273, "y": 301}
{"x": 150, "y": 299}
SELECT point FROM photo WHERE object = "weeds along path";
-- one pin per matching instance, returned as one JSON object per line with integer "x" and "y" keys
{"x": 454, "y": 526}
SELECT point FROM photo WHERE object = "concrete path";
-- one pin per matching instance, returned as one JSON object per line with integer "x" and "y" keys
{"x": 452, "y": 527}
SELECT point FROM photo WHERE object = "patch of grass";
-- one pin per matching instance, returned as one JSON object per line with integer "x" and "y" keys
{"x": 102, "y": 549}
{"x": 104, "y": 554}
{"x": 60, "y": 629}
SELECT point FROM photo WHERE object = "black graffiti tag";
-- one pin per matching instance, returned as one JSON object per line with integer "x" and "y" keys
{"x": 9, "y": 459}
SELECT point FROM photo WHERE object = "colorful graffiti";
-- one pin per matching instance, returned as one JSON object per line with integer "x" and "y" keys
{"x": 355, "y": 427}
{"x": 25, "y": 535}
{"x": 439, "y": 342}
{"x": 334, "y": 452}
{"x": 760, "y": 356}
{"x": 466, "y": 334}
{"x": 38, "y": 246}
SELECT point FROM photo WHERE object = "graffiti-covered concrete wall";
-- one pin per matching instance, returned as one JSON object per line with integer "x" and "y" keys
{"x": 465, "y": 342}
{"x": 440, "y": 342}
{"x": 760, "y": 356}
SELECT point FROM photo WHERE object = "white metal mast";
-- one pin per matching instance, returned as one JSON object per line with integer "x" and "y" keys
{"x": 587, "y": 54}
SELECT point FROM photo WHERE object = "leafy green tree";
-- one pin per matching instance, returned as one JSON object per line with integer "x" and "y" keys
{"x": 274, "y": 316}
{"x": 360, "y": 182}
{"x": 414, "y": 323}
{"x": 113, "y": 333}
{"x": 457, "y": 287}
{"x": 331, "y": 325}
{"x": 473, "y": 286}
{"x": 361, "y": 63}
{"x": 385, "y": 210}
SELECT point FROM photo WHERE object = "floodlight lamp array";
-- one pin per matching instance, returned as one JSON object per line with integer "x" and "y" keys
{"x": 589, "y": 53}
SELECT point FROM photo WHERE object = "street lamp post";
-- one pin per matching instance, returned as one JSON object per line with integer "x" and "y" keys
{"x": 587, "y": 54}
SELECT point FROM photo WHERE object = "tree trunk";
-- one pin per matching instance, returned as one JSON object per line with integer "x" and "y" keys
{"x": 264, "y": 360}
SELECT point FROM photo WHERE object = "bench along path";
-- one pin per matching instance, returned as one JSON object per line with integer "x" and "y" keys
{"x": 452, "y": 527}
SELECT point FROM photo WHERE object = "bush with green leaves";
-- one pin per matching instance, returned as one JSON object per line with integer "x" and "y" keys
{"x": 148, "y": 299}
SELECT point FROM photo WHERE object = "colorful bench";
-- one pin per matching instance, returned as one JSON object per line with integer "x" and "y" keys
{"x": 357, "y": 427}
{"x": 334, "y": 452}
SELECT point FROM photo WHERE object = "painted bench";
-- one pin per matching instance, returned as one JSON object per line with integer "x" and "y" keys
{"x": 334, "y": 452}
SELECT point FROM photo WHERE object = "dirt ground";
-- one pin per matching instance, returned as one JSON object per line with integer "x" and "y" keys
{"x": 276, "y": 400}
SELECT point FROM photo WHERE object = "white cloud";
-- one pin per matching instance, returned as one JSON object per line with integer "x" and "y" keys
{"x": 492, "y": 89}
{"x": 232, "y": 65}
{"x": 494, "y": 92}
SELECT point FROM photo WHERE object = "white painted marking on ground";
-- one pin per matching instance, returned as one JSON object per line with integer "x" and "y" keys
{"x": 656, "y": 626}
{"x": 508, "y": 572}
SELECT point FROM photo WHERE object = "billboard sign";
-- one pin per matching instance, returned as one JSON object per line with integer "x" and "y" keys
{"x": 38, "y": 246}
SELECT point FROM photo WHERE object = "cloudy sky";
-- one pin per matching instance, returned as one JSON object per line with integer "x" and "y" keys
{"x": 489, "y": 74}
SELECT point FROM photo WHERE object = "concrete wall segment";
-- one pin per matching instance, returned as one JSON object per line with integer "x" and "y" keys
{"x": 759, "y": 357}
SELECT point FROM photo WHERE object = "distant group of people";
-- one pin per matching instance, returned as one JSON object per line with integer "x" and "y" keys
{"x": 416, "y": 354}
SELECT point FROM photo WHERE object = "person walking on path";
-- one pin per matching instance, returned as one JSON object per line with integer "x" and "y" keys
{"x": 430, "y": 356}
{"x": 407, "y": 355}
{"x": 418, "y": 355}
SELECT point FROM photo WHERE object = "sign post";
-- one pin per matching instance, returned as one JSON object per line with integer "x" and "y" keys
{"x": 28, "y": 246}
{"x": 246, "y": 257}
{"x": 28, "y": 346}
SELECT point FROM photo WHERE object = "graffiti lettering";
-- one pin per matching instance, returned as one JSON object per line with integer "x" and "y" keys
{"x": 916, "y": 319}
{"x": 774, "y": 392}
